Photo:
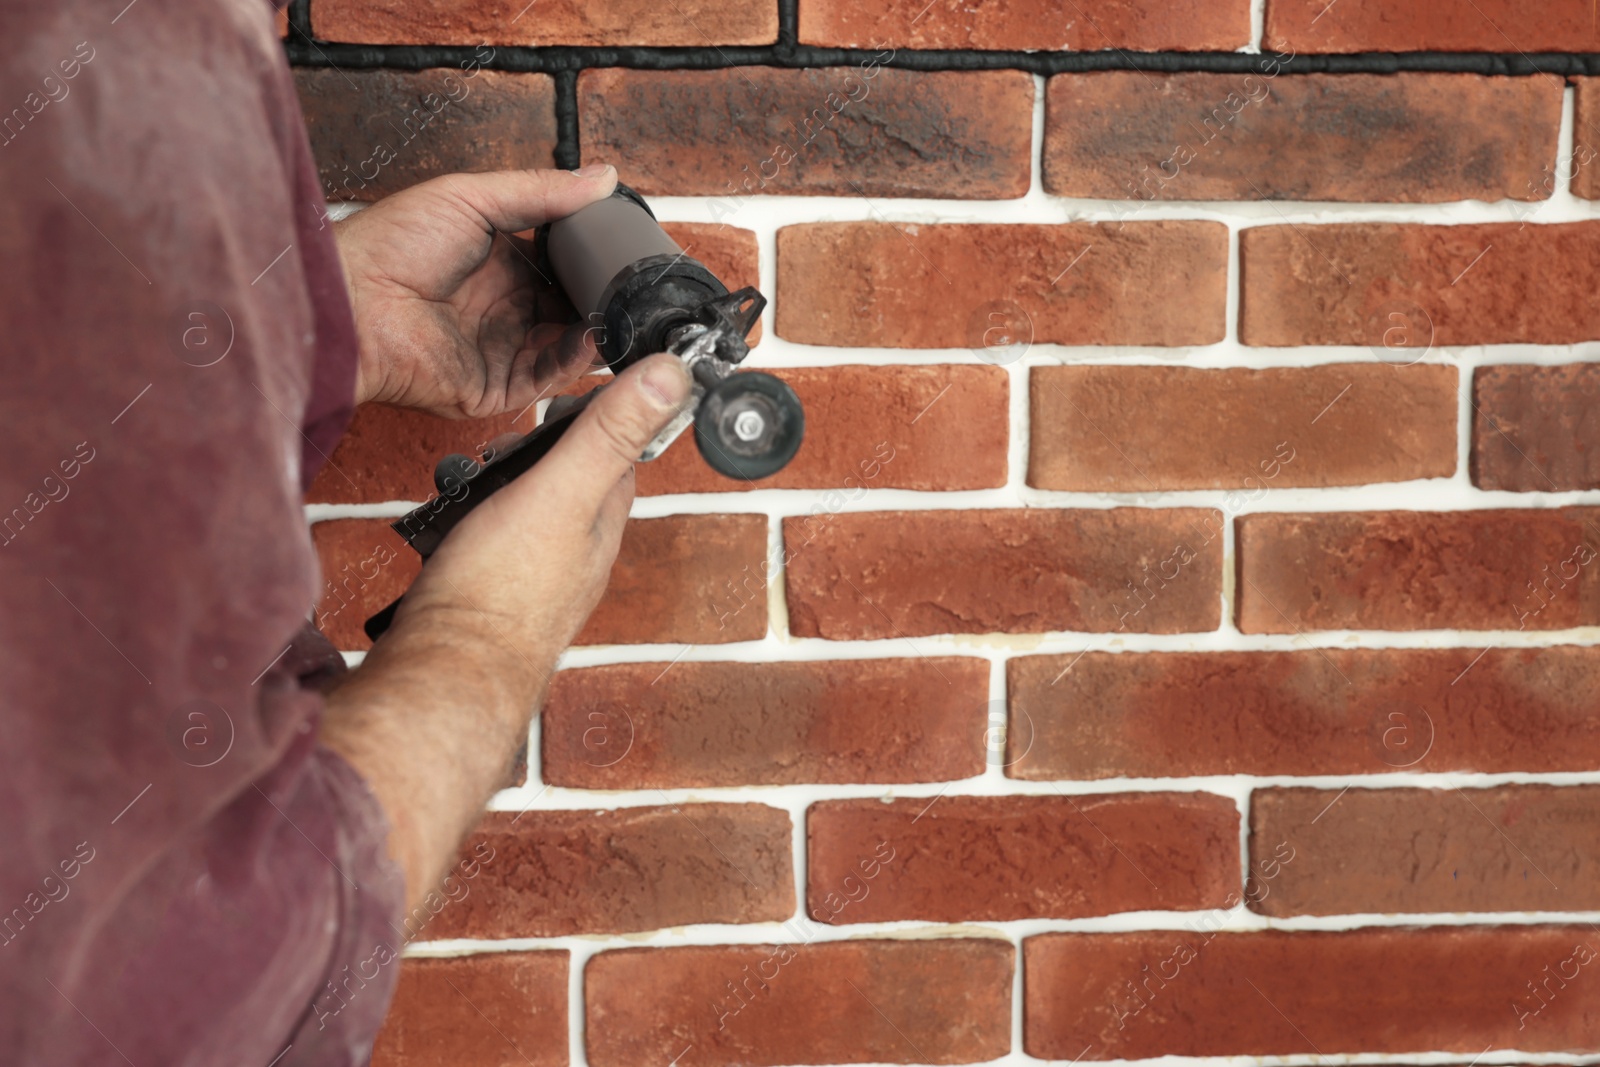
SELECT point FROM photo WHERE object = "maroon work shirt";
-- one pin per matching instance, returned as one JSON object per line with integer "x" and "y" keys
{"x": 186, "y": 877}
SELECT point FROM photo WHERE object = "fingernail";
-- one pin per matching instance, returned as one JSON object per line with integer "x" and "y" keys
{"x": 592, "y": 170}
{"x": 665, "y": 384}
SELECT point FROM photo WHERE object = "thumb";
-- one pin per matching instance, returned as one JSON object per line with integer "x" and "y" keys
{"x": 514, "y": 201}
{"x": 606, "y": 440}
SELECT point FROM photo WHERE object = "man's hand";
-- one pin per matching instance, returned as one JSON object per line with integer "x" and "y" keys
{"x": 433, "y": 715}
{"x": 444, "y": 286}
{"x": 521, "y": 573}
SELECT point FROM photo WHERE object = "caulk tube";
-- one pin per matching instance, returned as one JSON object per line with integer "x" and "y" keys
{"x": 591, "y": 247}
{"x": 625, "y": 277}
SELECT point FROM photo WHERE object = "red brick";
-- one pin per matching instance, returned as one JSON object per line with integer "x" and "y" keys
{"x": 693, "y": 23}
{"x": 1474, "y": 26}
{"x": 1515, "y": 848}
{"x": 1534, "y": 428}
{"x": 1312, "y": 712}
{"x": 489, "y": 120}
{"x": 886, "y": 427}
{"x": 910, "y": 285}
{"x": 503, "y": 1009}
{"x": 1366, "y": 137}
{"x": 669, "y": 579}
{"x": 866, "y": 1001}
{"x": 1031, "y": 25}
{"x": 827, "y": 131}
{"x": 1584, "y": 163}
{"x": 389, "y": 453}
{"x": 1407, "y": 287}
{"x": 673, "y": 578}
{"x": 880, "y": 575}
{"x": 686, "y": 725}
{"x": 557, "y": 873}
{"x": 1302, "y": 993}
{"x": 930, "y": 428}
{"x": 1137, "y": 429}
{"x": 365, "y": 565}
{"x": 1419, "y": 570}
{"x": 989, "y": 859}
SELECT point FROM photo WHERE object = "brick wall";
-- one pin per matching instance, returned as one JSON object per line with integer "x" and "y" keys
{"x": 1176, "y": 635}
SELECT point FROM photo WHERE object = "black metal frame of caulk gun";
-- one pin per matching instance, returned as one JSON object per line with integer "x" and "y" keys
{"x": 747, "y": 425}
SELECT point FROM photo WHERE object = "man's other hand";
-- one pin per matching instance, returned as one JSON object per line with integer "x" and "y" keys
{"x": 444, "y": 287}
{"x": 435, "y": 711}
{"x": 521, "y": 573}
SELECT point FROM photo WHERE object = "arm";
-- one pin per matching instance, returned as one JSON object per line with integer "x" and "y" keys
{"x": 432, "y": 717}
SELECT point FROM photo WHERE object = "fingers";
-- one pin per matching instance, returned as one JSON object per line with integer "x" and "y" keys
{"x": 556, "y": 356}
{"x": 602, "y": 446}
{"x": 516, "y": 200}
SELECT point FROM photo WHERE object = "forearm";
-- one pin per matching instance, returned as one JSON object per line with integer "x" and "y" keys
{"x": 433, "y": 716}
{"x": 431, "y": 720}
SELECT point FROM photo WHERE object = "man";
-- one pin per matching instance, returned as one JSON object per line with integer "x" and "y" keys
{"x": 209, "y": 838}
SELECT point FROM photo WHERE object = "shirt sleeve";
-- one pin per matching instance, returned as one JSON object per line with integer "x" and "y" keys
{"x": 192, "y": 879}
